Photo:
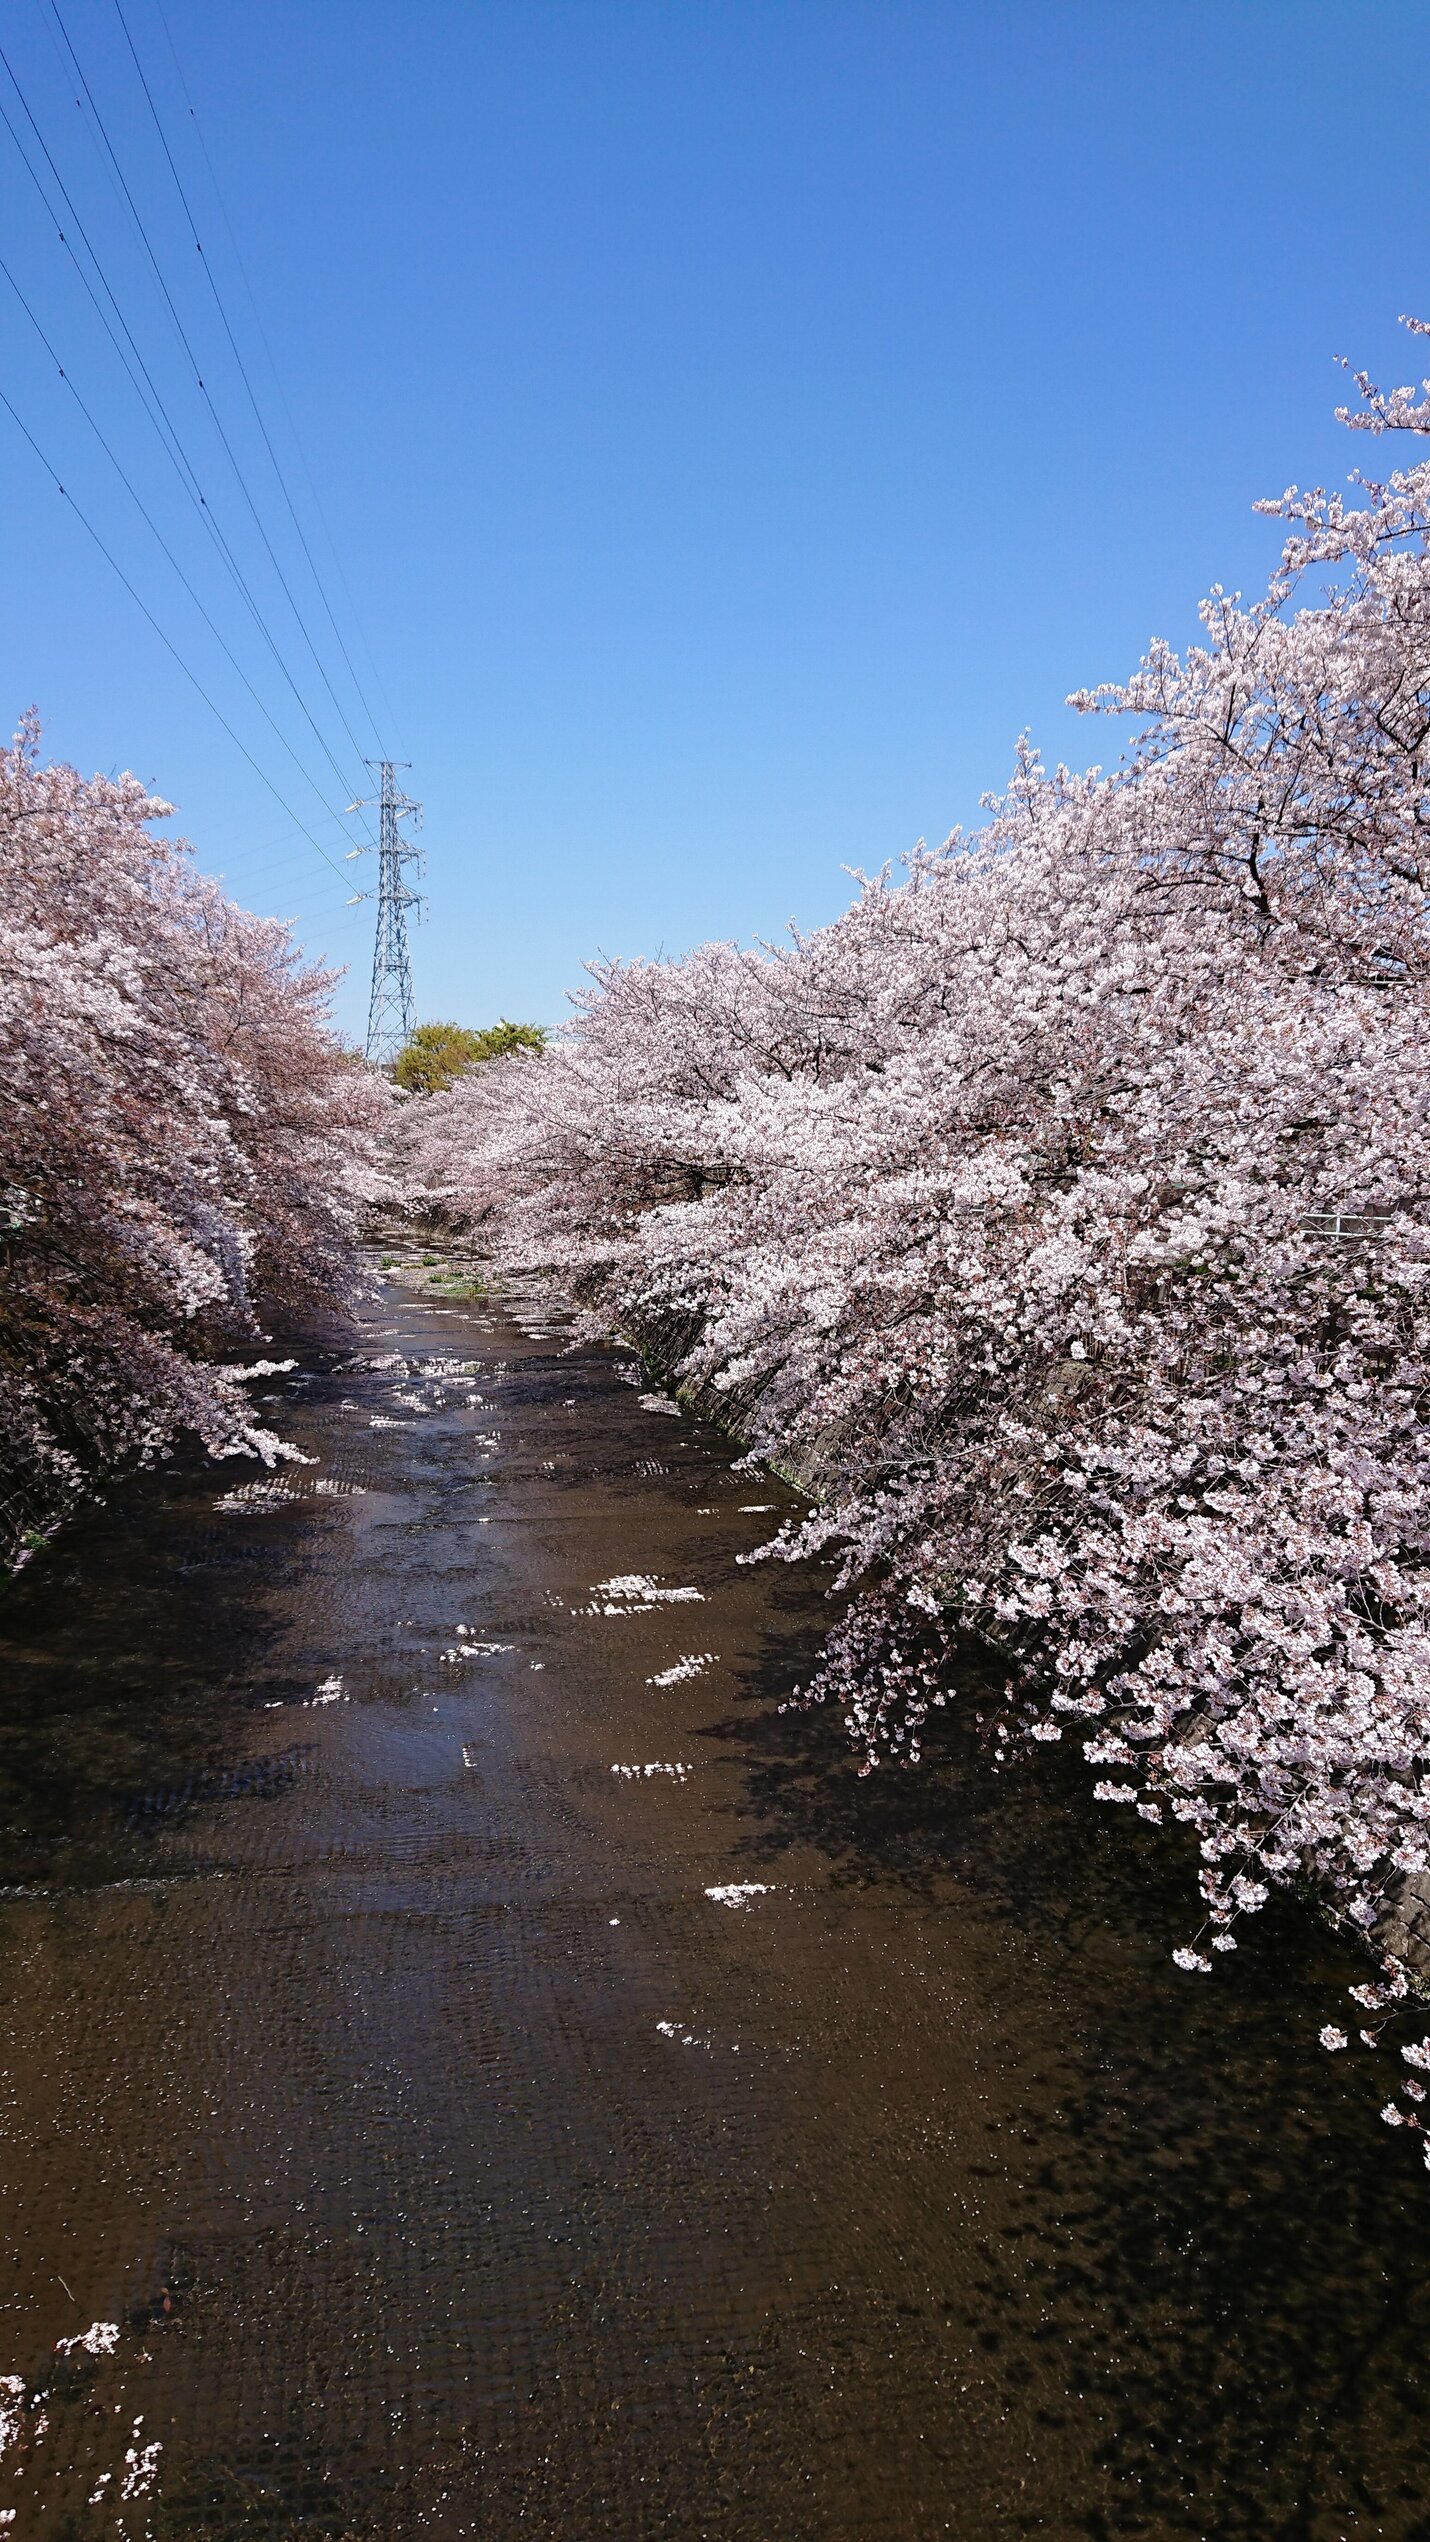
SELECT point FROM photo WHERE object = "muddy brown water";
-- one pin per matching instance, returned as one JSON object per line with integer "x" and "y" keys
{"x": 449, "y": 2160}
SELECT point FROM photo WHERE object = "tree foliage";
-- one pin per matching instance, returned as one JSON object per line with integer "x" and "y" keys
{"x": 1064, "y": 1210}
{"x": 436, "y": 1054}
{"x": 180, "y": 1135}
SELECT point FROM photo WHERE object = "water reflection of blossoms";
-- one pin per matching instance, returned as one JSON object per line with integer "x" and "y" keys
{"x": 1062, "y": 1213}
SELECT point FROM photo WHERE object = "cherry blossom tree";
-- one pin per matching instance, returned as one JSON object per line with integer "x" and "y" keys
{"x": 180, "y": 1136}
{"x": 1061, "y": 1217}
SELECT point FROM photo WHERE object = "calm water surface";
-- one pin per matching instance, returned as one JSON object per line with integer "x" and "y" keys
{"x": 375, "y": 2057}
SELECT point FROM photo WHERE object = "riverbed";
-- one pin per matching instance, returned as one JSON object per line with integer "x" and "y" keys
{"x": 472, "y": 2064}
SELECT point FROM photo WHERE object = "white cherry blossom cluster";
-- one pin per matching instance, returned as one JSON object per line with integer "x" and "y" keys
{"x": 1061, "y": 1215}
{"x": 180, "y": 1136}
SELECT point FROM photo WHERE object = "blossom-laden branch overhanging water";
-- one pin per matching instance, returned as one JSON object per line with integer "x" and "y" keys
{"x": 181, "y": 1137}
{"x": 1063, "y": 1210}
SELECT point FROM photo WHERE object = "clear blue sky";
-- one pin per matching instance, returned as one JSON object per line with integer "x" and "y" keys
{"x": 735, "y": 420}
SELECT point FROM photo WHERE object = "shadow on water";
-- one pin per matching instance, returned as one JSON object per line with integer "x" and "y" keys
{"x": 128, "y": 1655}
{"x": 1205, "y": 2223}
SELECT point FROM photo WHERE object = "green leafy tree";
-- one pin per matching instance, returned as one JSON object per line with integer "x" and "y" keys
{"x": 437, "y": 1054}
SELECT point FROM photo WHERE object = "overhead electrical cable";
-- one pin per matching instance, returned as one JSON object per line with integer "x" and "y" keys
{"x": 153, "y": 401}
{"x": 126, "y": 346}
{"x": 148, "y": 392}
{"x": 132, "y": 490}
{"x": 203, "y": 387}
{"x": 166, "y": 640}
{"x": 243, "y": 371}
{"x": 276, "y": 375}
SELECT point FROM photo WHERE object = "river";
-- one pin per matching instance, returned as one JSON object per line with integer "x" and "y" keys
{"x": 472, "y": 2065}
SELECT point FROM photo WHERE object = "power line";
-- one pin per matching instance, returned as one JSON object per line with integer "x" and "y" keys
{"x": 275, "y": 373}
{"x": 157, "y": 410}
{"x": 242, "y": 365}
{"x": 270, "y": 847}
{"x": 391, "y": 961}
{"x": 167, "y": 641}
{"x": 202, "y": 385}
{"x": 127, "y": 482}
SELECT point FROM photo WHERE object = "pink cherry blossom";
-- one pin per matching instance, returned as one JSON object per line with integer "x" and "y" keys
{"x": 180, "y": 1137}
{"x": 1059, "y": 1218}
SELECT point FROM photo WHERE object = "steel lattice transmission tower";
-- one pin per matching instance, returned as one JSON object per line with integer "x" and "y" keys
{"x": 390, "y": 1015}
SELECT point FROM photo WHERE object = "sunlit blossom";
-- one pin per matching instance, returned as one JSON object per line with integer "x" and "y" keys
{"x": 181, "y": 1138}
{"x": 1057, "y": 1218}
